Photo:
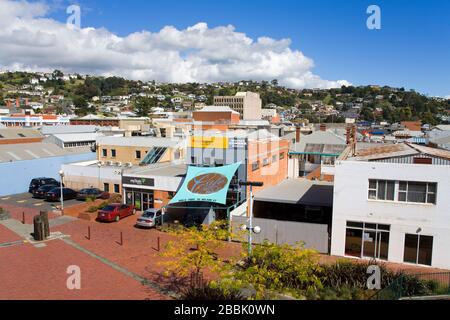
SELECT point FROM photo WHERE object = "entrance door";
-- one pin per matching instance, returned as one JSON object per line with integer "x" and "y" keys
{"x": 147, "y": 201}
{"x": 376, "y": 244}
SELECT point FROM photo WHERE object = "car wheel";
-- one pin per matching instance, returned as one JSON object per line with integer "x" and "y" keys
{"x": 117, "y": 219}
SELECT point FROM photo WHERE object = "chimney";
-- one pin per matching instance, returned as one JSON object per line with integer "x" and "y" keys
{"x": 349, "y": 135}
{"x": 354, "y": 140}
{"x": 297, "y": 134}
{"x": 323, "y": 127}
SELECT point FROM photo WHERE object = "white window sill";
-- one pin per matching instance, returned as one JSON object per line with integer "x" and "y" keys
{"x": 402, "y": 203}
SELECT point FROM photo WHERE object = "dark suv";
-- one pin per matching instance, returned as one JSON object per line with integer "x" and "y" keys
{"x": 39, "y": 182}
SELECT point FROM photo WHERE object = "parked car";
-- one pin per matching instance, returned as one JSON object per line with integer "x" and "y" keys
{"x": 39, "y": 182}
{"x": 92, "y": 193}
{"x": 55, "y": 194}
{"x": 115, "y": 212}
{"x": 150, "y": 218}
{"x": 41, "y": 192}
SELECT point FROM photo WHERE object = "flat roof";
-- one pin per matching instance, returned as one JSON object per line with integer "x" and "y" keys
{"x": 18, "y": 133}
{"x": 159, "y": 170}
{"x": 299, "y": 191}
{"x": 31, "y": 151}
{"x": 139, "y": 141}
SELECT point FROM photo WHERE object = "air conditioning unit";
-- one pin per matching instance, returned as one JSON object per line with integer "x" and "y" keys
{"x": 119, "y": 164}
{"x": 110, "y": 163}
{"x": 128, "y": 164}
{"x": 101, "y": 163}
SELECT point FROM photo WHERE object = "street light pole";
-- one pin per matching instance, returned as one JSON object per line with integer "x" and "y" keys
{"x": 61, "y": 174}
{"x": 250, "y": 228}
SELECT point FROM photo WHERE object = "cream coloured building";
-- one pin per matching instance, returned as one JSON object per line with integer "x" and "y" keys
{"x": 248, "y": 104}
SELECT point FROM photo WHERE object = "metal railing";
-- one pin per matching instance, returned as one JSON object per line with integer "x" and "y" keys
{"x": 416, "y": 285}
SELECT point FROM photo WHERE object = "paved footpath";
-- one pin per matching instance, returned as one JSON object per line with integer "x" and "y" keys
{"x": 31, "y": 270}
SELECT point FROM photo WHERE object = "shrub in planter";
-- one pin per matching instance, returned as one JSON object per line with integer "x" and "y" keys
{"x": 210, "y": 293}
{"x": 92, "y": 209}
{"x": 115, "y": 198}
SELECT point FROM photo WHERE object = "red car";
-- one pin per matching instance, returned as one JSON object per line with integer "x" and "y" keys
{"x": 115, "y": 212}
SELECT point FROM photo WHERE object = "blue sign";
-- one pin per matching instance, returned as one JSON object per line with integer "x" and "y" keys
{"x": 206, "y": 184}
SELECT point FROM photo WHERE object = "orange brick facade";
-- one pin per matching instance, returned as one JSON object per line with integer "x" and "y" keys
{"x": 272, "y": 159}
{"x": 220, "y": 117}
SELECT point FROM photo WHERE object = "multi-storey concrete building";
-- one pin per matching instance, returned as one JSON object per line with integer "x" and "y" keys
{"x": 391, "y": 203}
{"x": 248, "y": 104}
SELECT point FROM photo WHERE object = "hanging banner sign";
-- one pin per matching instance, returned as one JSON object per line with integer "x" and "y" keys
{"x": 204, "y": 142}
{"x": 206, "y": 184}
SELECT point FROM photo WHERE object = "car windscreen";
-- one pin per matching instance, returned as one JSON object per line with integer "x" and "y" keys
{"x": 109, "y": 208}
{"x": 148, "y": 214}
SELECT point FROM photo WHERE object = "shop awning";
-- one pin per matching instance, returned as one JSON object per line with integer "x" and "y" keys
{"x": 206, "y": 184}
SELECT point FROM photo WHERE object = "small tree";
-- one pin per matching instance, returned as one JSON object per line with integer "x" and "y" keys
{"x": 195, "y": 250}
{"x": 277, "y": 269}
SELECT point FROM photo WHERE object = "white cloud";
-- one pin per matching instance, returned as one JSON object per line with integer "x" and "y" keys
{"x": 32, "y": 41}
{"x": 447, "y": 97}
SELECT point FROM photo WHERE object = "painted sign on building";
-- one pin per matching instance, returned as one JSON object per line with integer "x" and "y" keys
{"x": 203, "y": 142}
{"x": 206, "y": 184}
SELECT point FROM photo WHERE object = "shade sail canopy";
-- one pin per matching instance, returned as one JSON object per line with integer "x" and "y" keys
{"x": 206, "y": 184}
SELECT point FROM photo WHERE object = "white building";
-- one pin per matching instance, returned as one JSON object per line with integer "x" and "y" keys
{"x": 392, "y": 203}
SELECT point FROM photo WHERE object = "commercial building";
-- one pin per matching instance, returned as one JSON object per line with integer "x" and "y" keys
{"x": 152, "y": 186}
{"x": 128, "y": 124}
{"x": 248, "y": 104}
{"x": 391, "y": 203}
{"x": 310, "y": 152}
{"x": 33, "y": 120}
{"x": 263, "y": 156}
{"x": 19, "y": 135}
{"x": 139, "y": 150}
{"x": 19, "y": 163}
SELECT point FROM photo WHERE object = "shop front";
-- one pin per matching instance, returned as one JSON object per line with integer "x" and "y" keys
{"x": 139, "y": 192}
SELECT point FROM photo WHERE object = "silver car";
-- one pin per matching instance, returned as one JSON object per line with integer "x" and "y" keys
{"x": 150, "y": 218}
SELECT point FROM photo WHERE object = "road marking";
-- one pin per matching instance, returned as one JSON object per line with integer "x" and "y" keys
{"x": 7, "y": 198}
{"x": 22, "y": 201}
{"x": 38, "y": 204}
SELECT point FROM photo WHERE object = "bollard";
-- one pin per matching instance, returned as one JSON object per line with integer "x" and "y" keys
{"x": 23, "y": 217}
{"x": 89, "y": 233}
{"x": 159, "y": 244}
{"x": 121, "y": 238}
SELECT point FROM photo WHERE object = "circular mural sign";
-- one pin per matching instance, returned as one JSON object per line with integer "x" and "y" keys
{"x": 207, "y": 183}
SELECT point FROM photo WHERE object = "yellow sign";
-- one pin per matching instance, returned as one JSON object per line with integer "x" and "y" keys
{"x": 209, "y": 142}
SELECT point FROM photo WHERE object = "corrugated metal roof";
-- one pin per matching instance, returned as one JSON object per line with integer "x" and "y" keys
{"x": 17, "y": 133}
{"x": 31, "y": 151}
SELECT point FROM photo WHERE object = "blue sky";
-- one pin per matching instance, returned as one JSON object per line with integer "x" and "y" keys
{"x": 412, "y": 49}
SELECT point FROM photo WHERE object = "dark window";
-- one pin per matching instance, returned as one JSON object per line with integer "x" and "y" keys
{"x": 281, "y": 156}
{"x": 116, "y": 188}
{"x": 381, "y": 190}
{"x": 255, "y": 166}
{"x": 417, "y": 192}
{"x": 353, "y": 243}
{"x": 104, "y": 153}
{"x": 113, "y": 153}
{"x": 138, "y": 154}
{"x": 418, "y": 249}
{"x": 106, "y": 187}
